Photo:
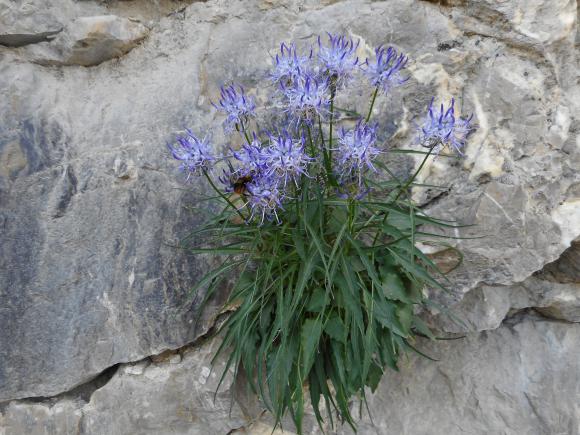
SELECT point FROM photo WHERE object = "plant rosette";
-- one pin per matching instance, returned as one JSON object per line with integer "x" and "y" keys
{"x": 320, "y": 234}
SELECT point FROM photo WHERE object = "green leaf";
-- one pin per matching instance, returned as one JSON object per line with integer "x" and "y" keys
{"x": 335, "y": 329}
{"x": 392, "y": 285}
{"x": 318, "y": 301}
{"x": 310, "y": 336}
{"x": 405, "y": 315}
{"x": 374, "y": 377}
{"x": 421, "y": 327}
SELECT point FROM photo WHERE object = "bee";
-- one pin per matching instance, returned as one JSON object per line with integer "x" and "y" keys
{"x": 239, "y": 184}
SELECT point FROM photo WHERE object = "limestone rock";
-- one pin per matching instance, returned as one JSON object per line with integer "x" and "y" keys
{"x": 512, "y": 380}
{"x": 554, "y": 291}
{"x": 496, "y": 382}
{"x": 24, "y": 22}
{"x": 89, "y": 41}
{"x": 90, "y": 206}
{"x": 169, "y": 398}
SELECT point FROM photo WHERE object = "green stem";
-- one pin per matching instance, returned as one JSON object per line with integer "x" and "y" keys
{"x": 244, "y": 131}
{"x": 321, "y": 132}
{"x": 332, "y": 95}
{"x": 219, "y": 192}
{"x": 375, "y": 93}
{"x": 408, "y": 183}
{"x": 312, "y": 150}
{"x": 402, "y": 190}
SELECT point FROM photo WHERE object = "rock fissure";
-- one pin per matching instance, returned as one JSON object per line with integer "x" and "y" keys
{"x": 88, "y": 279}
{"x": 16, "y": 40}
{"x": 81, "y": 393}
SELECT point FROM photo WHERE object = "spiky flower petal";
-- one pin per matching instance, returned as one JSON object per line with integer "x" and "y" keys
{"x": 236, "y": 105}
{"x": 356, "y": 151}
{"x": 385, "y": 71}
{"x": 251, "y": 156}
{"x": 265, "y": 198}
{"x": 306, "y": 99}
{"x": 286, "y": 158}
{"x": 338, "y": 60}
{"x": 441, "y": 129}
{"x": 194, "y": 154}
{"x": 289, "y": 65}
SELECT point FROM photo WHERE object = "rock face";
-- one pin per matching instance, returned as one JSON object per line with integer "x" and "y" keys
{"x": 90, "y": 207}
{"x": 90, "y": 41}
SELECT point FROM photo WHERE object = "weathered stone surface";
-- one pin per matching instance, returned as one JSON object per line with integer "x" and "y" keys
{"x": 172, "y": 396}
{"x": 89, "y": 41}
{"x": 510, "y": 381}
{"x": 89, "y": 204}
{"x": 554, "y": 291}
{"x": 24, "y": 22}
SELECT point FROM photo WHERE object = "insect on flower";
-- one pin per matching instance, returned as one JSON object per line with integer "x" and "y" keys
{"x": 442, "y": 129}
{"x": 194, "y": 154}
{"x": 237, "y": 106}
{"x": 234, "y": 181}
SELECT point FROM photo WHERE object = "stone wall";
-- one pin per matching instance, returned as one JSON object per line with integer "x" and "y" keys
{"x": 98, "y": 330}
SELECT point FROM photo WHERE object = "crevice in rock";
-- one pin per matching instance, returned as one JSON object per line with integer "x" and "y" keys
{"x": 82, "y": 392}
{"x": 16, "y": 40}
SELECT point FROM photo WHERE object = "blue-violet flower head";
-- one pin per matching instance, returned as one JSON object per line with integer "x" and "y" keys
{"x": 289, "y": 66}
{"x": 265, "y": 198}
{"x": 236, "y": 105}
{"x": 440, "y": 129}
{"x": 251, "y": 156}
{"x": 338, "y": 60}
{"x": 356, "y": 151}
{"x": 194, "y": 154}
{"x": 385, "y": 71}
{"x": 306, "y": 99}
{"x": 286, "y": 158}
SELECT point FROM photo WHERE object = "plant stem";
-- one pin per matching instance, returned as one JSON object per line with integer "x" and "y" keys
{"x": 408, "y": 183}
{"x": 219, "y": 192}
{"x": 375, "y": 93}
{"x": 244, "y": 131}
{"x": 404, "y": 189}
{"x": 332, "y": 95}
{"x": 309, "y": 131}
{"x": 321, "y": 132}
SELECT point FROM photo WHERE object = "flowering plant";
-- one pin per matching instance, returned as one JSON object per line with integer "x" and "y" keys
{"x": 321, "y": 234}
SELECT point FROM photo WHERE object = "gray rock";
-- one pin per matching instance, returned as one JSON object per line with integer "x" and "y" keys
{"x": 35, "y": 21}
{"x": 510, "y": 381}
{"x": 89, "y": 203}
{"x": 89, "y": 41}
{"x": 554, "y": 291}
{"x": 164, "y": 397}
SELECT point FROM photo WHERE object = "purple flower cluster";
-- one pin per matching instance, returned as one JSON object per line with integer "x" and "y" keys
{"x": 356, "y": 152}
{"x": 441, "y": 129}
{"x": 194, "y": 154}
{"x": 237, "y": 106}
{"x": 263, "y": 172}
{"x": 271, "y": 164}
{"x": 385, "y": 72}
{"x": 289, "y": 66}
{"x": 338, "y": 60}
{"x": 306, "y": 99}
{"x": 286, "y": 158}
{"x": 265, "y": 198}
